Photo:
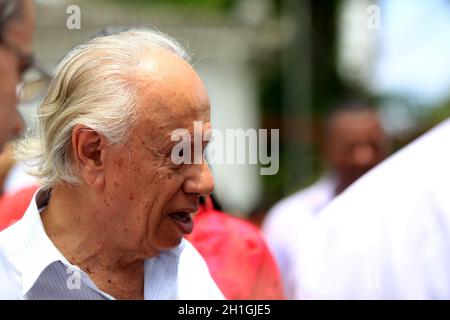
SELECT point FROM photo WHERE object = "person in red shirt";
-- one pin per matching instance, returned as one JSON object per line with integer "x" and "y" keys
{"x": 14, "y": 205}
{"x": 237, "y": 255}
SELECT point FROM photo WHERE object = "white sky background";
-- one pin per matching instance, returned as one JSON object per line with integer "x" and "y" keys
{"x": 413, "y": 52}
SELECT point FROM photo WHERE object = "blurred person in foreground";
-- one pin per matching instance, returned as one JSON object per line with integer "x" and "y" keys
{"x": 354, "y": 142}
{"x": 237, "y": 255}
{"x": 109, "y": 218}
{"x": 16, "y": 62}
{"x": 16, "y": 37}
{"x": 388, "y": 235}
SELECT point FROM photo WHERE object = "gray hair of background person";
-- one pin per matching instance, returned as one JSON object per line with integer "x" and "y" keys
{"x": 92, "y": 86}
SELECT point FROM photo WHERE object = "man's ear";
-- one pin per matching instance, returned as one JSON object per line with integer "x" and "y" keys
{"x": 88, "y": 148}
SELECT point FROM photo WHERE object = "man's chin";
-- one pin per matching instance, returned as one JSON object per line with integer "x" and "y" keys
{"x": 168, "y": 244}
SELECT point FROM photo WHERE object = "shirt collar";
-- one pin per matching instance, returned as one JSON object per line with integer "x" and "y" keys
{"x": 35, "y": 252}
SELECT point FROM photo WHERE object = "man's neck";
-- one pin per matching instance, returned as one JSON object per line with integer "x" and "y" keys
{"x": 69, "y": 221}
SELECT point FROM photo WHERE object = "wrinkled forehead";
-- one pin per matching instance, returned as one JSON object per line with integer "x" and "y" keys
{"x": 171, "y": 94}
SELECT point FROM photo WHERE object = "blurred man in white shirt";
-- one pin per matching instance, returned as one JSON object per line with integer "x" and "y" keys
{"x": 388, "y": 235}
{"x": 354, "y": 142}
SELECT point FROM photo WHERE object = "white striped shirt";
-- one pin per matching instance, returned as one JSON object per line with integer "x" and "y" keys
{"x": 31, "y": 267}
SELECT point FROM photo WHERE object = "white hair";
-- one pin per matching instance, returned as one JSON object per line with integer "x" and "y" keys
{"x": 92, "y": 86}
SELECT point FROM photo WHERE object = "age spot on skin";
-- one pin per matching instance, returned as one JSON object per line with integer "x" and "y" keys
{"x": 172, "y": 94}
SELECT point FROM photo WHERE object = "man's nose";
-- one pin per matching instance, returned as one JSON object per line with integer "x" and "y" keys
{"x": 200, "y": 181}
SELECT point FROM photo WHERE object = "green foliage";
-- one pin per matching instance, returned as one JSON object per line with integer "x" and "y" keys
{"x": 223, "y": 5}
{"x": 438, "y": 114}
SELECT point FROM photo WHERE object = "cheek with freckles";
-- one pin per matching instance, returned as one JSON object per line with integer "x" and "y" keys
{"x": 161, "y": 232}
{"x": 125, "y": 198}
{"x": 141, "y": 193}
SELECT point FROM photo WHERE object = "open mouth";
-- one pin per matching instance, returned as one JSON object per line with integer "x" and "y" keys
{"x": 183, "y": 220}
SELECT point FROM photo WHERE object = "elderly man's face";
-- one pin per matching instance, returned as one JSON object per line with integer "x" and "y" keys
{"x": 18, "y": 35}
{"x": 151, "y": 195}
